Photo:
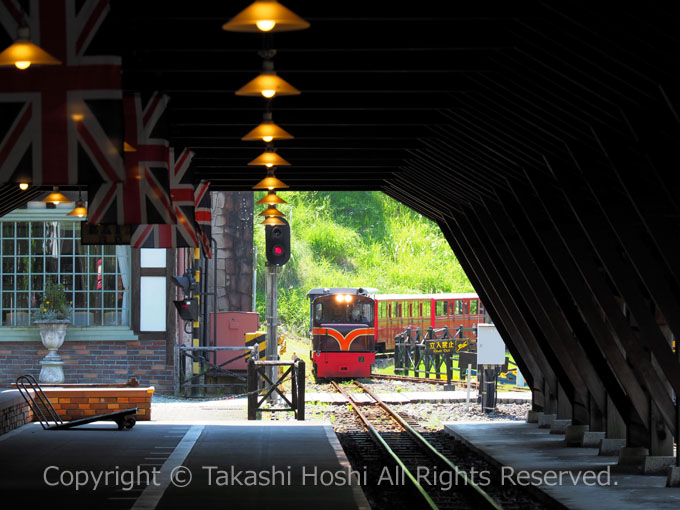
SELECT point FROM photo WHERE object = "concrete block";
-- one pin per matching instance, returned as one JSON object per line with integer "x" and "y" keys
{"x": 632, "y": 455}
{"x": 532, "y": 416}
{"x": 559, "y": 426}
{"x": 574, "y": 434}
{"x": 611, "y": 446}
{"x": 546, "y": 420}
{"x": 592, "y": 439}
{"x": 657, "y": 464}
{"x": 673, "y": 477}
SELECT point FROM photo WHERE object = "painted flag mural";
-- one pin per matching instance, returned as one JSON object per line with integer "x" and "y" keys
{"x": 203, "y": 213}
{"x": 60, "y": 124}
{"x": 186, "y": 232}
{"x": 144, "y": 196}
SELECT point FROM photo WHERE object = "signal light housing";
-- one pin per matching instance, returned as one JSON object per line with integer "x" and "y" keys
{"x": 187, "y": 309}
{"x": 277, "y": 243}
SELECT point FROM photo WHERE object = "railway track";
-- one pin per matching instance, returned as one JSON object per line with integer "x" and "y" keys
{"x": 473, "y": 384}
{"x": 433, "y": 478}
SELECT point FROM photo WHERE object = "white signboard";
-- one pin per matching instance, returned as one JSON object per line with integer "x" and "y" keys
{"x": 490, "y": 346}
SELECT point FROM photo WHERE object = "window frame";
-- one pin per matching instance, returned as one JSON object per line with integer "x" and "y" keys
{"x": 74, "y": 332}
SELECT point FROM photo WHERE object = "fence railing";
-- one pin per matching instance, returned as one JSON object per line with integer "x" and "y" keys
{"x": 261, "y": 386}
{"x": 203, "y": 355}
{"x": 413, "y": 352}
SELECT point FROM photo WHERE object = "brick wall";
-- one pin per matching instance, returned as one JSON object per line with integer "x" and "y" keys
{"x": 110, "y": 362}
{"x": 75, "y": 403}
{"x": 14, "y": 412}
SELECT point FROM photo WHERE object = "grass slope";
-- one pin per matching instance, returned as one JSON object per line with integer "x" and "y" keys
{"x": 355, "y": 239}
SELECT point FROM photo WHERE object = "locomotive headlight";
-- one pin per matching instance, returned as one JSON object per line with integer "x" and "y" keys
{"x": 348, "y": 298}
{"x": 339, "y": 298}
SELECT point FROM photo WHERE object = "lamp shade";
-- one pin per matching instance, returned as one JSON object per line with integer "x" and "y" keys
{"x": 23, "y": 53}
{"x": 80, "y": 210}
{"x": 271, "y": 211}
{"x": 267, "y": 131}
{"x": 271, "y": 198}
{"x": 270, "y": 182}
{"x": 265, "y": 16}
{"x": 55, "y": 197}
{"x": 267, "y": 84}
{"x": 273, "y": 220}
{"x": 269, "y": 159}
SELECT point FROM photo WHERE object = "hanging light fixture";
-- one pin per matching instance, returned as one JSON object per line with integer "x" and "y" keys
{"x": 269, "y": 159}
{"x": 22, "y": 53}
{"x": 55, "y": 197}
{"x": 265, "y": 16}
{"x": 267, "y": 84}
{"x": 273, "y": 220}
{"x": 271, "y": 211}
{"x": 23, "y": 186}
{"x": 270, "y": 182}
{"x": 271, "y": 198}
{"x": 267, "y": 131}
{"x": 80, "y": 209}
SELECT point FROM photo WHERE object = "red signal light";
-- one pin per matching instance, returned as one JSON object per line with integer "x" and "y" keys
{"x": 278, "y": 250}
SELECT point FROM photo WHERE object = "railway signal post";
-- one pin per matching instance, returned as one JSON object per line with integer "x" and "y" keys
{"x": 277, "y": 251}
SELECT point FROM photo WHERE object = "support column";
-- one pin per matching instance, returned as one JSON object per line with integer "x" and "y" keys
{"x": 271, "y": 350}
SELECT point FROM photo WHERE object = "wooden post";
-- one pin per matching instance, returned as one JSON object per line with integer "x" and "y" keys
{"x": 176, "y": 372}
{"x": 300, "y": 413}
{"x": 251, "y": 388}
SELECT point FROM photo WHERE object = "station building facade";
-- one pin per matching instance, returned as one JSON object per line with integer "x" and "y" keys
{"x": 123, "y": 321}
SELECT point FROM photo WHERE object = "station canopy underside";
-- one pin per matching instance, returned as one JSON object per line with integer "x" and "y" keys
{"x": 540, "y": 136}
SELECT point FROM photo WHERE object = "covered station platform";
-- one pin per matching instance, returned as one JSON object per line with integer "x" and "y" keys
{"x": 169, "y": 465}
{"x": 577, "y": 478}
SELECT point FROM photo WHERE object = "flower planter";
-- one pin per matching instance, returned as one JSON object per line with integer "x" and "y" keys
{"x": 52, "y": 333}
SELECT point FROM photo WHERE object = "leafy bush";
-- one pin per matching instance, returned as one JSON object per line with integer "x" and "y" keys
{"x": 356, "y": 239}
{"x": 54, "y": 303}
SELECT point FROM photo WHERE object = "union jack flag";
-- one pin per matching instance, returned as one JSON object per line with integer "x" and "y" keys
{"x": 185, "y": 233}
{"x": 144, "y": 197}
{"x": 56, "y": 122}
{"x": 203, "y": 213}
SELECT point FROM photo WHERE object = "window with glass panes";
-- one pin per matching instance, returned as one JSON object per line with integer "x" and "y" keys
{"x": 96, "y": 277}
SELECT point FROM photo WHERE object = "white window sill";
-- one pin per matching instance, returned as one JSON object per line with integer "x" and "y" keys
{"x": 73, "y": 334}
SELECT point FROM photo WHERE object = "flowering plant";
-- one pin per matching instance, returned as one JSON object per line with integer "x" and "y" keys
{"x": 54, "y": 305}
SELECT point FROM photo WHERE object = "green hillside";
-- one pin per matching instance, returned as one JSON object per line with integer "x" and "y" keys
{"x": 355, "y": 239}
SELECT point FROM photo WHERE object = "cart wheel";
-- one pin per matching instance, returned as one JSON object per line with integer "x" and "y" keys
{"x": 121, "y": 424}
{"x": 130, "y": 422}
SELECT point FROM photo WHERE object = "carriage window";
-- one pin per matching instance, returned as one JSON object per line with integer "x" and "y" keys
{"x": 416, "y": 309}
{"x": 427, "y": 309}
{"x": 318, "y": 312}
{"x": 361, "y": 313}
{"x": 382, "y": 309}
{"x": 473, "y": 307}
{"x": 466, "y": 307}
{"x": 458, "y": 307}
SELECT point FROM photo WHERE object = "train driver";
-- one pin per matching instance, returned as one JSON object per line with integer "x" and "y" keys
{"x": 356, "y": 314}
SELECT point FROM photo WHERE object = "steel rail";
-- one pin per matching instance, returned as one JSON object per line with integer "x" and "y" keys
{"x": 417, "y": 379}
{"x": 487, "y": 500}
{"x": 386, "y": 447}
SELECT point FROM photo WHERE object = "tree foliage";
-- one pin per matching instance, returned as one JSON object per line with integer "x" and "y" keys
{"x": 356, "y": 239}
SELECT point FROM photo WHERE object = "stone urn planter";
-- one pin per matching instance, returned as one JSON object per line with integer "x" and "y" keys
{"x": 52, "y": 333}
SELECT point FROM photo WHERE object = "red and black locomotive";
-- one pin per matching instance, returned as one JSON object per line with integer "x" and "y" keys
{"x": 343, "y": 331}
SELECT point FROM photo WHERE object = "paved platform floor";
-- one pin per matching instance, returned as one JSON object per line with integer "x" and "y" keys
{"x": 230, "y": 465}
{"x": 524, "y": 447}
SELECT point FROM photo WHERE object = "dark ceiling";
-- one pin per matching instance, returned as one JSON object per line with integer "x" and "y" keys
{"x": 440, "y": 100}
{"x": 542, "y": 137}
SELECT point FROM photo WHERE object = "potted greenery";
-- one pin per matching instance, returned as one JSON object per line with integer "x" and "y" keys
{"x": 53, "y": 316}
